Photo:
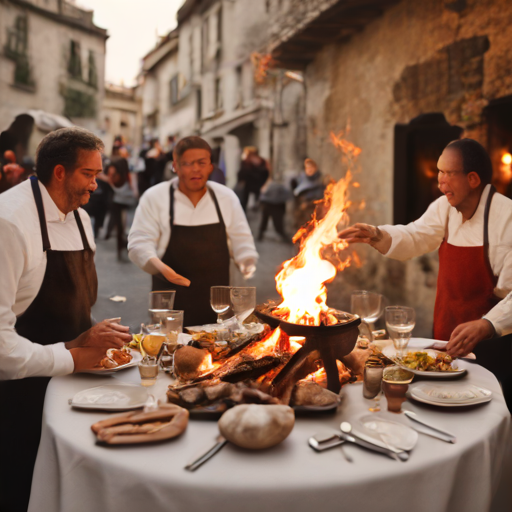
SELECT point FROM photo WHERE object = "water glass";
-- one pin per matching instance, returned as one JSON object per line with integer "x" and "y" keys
{"x": 172, "y": 326}
{"x": 243, "y": 300}
{"x": 160, "y": 303}
{"x": 148, "y": 369}
{"x": 220, "y": 300}
{"x": 369, "y": 307}
{"x": 400, "y": 322}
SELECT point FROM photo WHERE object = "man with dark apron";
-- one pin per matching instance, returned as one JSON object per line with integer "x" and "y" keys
{"x": 60, "y": 311}
{"x": 203, "y": 221}
{"x": 473, "y": 309}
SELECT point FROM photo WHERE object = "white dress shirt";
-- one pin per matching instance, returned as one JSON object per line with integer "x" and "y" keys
{"x": 22, "y": 269}
{"x": 151, "y": 231}
{"x": 427, "y": 233}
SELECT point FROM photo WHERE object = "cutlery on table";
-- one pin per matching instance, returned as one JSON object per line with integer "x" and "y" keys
{"x": 433, "y": 432}
{"x": 220, "y": 443}
{"x": 321, "y": 443}
{"x": 370, "y": 444}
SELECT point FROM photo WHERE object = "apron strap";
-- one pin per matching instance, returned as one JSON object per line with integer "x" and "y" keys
{"x": 212, "y": 195}
{"x": 492, "y": 191}
{"x": 82, "y": 230}
{"x": 216, "y": 203}
{"x": 40, "y": 211}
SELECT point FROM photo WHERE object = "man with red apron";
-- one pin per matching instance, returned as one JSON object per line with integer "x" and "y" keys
{"x": 472, "y": 226}
{"x": 186, "y": 245}
{"x": 59, "y": 310}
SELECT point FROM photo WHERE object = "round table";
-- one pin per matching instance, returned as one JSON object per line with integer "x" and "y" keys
{"x": 74, "y": 474}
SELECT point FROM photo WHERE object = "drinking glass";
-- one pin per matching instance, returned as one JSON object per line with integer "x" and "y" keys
{"x": 148, "y": 369}
{"x": 172, "y": 327}
{"x": 372, "y": 384}
{"x": 243, "y": 300}
{"x": 160, "y": 303}
{"x": 395, "y": 383}
{"x": 151, "y": 340}
{"x": 369, "y": 307}
{"x": 220, "y": 300}
{"x": 400, "y": 322}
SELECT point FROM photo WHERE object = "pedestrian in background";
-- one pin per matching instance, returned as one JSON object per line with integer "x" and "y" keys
{"x": 252, "y": 175}
{"x": 308, "y": 187}
{"x": 273, "y": 198}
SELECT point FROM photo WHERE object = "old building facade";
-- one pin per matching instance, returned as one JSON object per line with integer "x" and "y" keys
{"x": 408, "y": 77}
{"x": 52, "y": 58}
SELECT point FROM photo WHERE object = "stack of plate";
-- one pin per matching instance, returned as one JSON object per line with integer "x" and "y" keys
{"x": 454, "y": 395}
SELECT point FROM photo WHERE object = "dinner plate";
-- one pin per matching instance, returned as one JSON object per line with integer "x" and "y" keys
{"x": 115, "y": 397}
{"x": 136, "y": 359}
{"x": 450, "y": 395}
{"x": 391, "y": 352}
{"x": 387, "y": 432}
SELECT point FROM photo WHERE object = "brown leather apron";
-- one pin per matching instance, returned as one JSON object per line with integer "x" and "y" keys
{"x": 201, "y": 254}
{"x": 465, "y": 292}
{"x": 61, "y": 311}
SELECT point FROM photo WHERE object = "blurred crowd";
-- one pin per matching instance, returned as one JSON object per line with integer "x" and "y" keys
{"x": 127, "y": 175}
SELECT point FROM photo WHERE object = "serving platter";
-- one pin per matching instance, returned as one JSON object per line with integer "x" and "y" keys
{"x": 391, "y": 353}
{"x": 114, "y": 397}
{"x": 452, "y": 395}
{"x": 136, "y": 359}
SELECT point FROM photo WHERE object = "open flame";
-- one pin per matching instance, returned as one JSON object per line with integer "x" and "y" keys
{"x": 302, "y": 280}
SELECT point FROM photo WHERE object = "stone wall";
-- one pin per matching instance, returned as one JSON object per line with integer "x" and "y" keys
{"x": 419, "y": 57}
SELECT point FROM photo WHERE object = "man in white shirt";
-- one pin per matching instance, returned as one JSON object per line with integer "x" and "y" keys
{"x": 472, "y": 227}
{"x": 47, "y": 287}
{"x": 185, "y": 232}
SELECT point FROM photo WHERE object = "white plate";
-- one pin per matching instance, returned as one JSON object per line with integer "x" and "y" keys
{"x": 136, "y": 359}
{"x": 115, "y": 397}
{"x": 388, "y": 432}
{"x": 391, "y": 353}
{"x": 450, "y": 395}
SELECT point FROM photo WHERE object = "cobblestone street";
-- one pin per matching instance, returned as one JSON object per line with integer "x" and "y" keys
{"x": 127, "y": 280}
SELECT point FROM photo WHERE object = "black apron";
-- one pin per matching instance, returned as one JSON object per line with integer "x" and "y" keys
{"x": 201, "y": 254}
{"x": 61, "y": 311}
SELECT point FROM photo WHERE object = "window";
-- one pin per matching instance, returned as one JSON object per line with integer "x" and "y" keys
{"x": 16, "y": 49}
{"x": 218, "y": 94}
{"x": 75, "y": 60}
{"x": 199, "y": 104}
{"x": 93, "y": 72}
{"x": 174, "y": 92}
{"x": 239, "y": 89}
{"x": 205, "y": 42}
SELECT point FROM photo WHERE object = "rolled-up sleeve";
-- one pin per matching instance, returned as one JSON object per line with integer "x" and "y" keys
{"x": 421, "y": 236}
{"x": 20, "y": 357}
{"x": 145, "y": 232}
{"x": 239, "y": 233}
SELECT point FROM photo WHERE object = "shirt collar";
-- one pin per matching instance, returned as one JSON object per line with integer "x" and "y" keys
{"x": 183, "y": 197}
{"x": 51, "y": 210}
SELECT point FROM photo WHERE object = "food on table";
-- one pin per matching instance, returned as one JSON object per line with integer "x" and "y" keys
{"x": 257, "y": 427}
{"x": 424, "y": 362}
{"x": 135, "y": 343}
{"x": 190, "y": 362}
{"x": 206, "y": 337}
{"x": 152, "y": 343}
{"x": 307, "y": 393}
{"x": 397, "y": 375}
{"x": 166, "y": 422}
{"x": 116, "y": 357}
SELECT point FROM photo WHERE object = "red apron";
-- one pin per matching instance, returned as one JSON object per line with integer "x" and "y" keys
{"x": 465, "y": 292}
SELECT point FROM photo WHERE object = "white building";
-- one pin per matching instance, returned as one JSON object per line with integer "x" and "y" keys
{"x": 52, "y": 58}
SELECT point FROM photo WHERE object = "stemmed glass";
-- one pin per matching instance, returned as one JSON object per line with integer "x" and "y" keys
{"x": 400, "y": 322}
{"x": 220, "y": 300}
{"x": 369, "y": 307}
{"x": 243, "y": 301}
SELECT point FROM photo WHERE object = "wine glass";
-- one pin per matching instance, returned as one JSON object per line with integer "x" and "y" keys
{"x": 369, "y": 307}
{"x": 243, "y": 300}
{"x": 400, "y": 322}
{"x": 160, "y": 303}
{"x": 220, "y": 300}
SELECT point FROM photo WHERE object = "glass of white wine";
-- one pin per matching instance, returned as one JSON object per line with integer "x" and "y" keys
{"x": 400, "y": 322}
{"x": 220, "y": 300}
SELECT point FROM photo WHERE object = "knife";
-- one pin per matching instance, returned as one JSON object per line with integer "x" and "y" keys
{"x": 403, "y": 456}
{"x": 434, "y": 431}
{"x": 221, "y": 442}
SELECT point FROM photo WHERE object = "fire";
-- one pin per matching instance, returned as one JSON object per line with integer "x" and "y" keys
{"x": 302, "y": 280}
{"x": 506, "y": 159}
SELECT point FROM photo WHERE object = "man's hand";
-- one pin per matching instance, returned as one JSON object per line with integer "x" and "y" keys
{"x": 168, "y": 272}
{"x": 90, "y": 347}
{"x": 465, "y": 337}
{"x": 367, "y": 234}
{"x": 248, "y": 267}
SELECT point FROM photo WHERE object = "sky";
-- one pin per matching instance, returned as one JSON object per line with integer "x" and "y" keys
{"x": 133, "y": 26}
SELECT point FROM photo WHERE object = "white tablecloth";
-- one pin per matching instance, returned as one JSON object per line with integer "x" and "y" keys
{"x": 74, "y": 474}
